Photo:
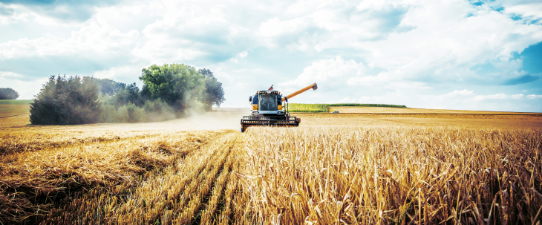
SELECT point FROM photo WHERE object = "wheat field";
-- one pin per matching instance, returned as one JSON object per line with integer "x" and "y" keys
{"x": 394, "y": 176}
{"x": 397, "y": 170}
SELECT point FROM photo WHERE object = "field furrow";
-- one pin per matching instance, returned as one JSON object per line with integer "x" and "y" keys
{"x": 32, "y": 183}
{"x": 212, "y": 199}
{"x": 187, "y": 191}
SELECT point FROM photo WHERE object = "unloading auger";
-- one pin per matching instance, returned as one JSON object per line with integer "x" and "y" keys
{"x": 270, "y": 108}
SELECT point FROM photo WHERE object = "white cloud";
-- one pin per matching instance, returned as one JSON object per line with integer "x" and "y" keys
{"x": 275, "y": 27}
{"x": 9, "y": 74}
{"x": 533, "y": 96}
{"x": 241, "y": 84}
{"x": 241, "y": 55}
{"x": 442, "y": 44}
{"x": 365, "y": 99}
{"x": 517, "y": 96}
{"x": 127, "y": 74}
{"x": 491, "y": 97}
{"x": 26, "y": 89}
{"x": 331, "y": 72}
{"x": 449, "y": 43}
{"x": 524, "y": 8}
{"x": 91, "y": 38}
{"x": 457, "y": 93}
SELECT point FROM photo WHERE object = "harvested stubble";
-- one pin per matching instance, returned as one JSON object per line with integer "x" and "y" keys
{"x": 402, "y": 176}
{"x": 190, "y": 190}
{"x": 34, "y": 183}
{"x": 25, "y": 140}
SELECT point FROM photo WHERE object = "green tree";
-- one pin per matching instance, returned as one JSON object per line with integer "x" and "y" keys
{"x": 128, "y": 94}
{"x": 108, "y": 86}
{"x": 64, "y": 100}
{"x": 178, "y": 85}
{"x": 214, "y": 93}
{"x": 8, "y": 93}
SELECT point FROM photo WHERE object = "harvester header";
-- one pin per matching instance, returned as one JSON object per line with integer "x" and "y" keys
{"x": 268, "y": 109}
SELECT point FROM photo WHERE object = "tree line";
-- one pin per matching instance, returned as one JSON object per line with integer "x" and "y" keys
{"x": 169, "y": 91}
{"x": 8, "y": 93}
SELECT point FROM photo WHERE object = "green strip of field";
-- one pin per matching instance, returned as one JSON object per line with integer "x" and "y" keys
{"x": 10, "y": 108}
{"x": 15, "y": 102}
{"x": 324, "y": 108}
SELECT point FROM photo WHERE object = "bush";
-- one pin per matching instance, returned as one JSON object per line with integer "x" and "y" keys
{"x": 130, "y": 113}
{"x": 8, "y": 93}
{"x": 128, "y": 94}
{"x": 64, "y": 101}
{"x": 108, "y": 113}
{"x": 158, "y": 110}
{"x": 151, "y": 111}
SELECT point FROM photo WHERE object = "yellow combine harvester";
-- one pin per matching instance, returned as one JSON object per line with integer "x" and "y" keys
{"x": 268, "y": 109}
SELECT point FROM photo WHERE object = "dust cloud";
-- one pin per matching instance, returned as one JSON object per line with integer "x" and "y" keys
{"x": 218, "y": 118}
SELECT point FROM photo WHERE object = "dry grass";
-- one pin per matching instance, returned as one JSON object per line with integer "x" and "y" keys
{"x": 403, "y": 176}
{"x": 197, "y": 188}
{"x": 32, "y": 182}
{"x": 14, "y": 113}
{"x": 33, "y": 140}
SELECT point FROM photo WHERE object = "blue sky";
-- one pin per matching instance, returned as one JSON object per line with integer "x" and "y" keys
{"x": 478, "y": 55}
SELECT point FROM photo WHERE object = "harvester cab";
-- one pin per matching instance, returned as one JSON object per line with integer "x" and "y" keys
{"x": 270, "y": 108}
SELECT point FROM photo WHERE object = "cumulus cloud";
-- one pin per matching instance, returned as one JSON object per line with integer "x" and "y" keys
{"x": 93, "y": 47}
{"x": 330, "y": 72}
{"x": 457, "y": 93}
{"x": 60, "y": 10}
{"x": 9, "y": 74}
{"x": 469, "y": 95}
{"x": 530, "y": 11}
{"x": 533, "y": 96}
{"x": 392, "y": 51}
{"x": 126, "y": 74}
{"x": 90, "y": 38}
{"x": 491, "y": 97}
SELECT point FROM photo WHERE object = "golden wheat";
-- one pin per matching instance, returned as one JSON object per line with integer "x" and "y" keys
{"x": 372, "y": 176}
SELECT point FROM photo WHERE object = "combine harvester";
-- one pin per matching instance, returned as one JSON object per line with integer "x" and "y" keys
{"x": 268, "y": 109}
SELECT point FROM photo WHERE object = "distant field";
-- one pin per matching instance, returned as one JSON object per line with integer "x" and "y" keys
{"x": 15, "y": 102}
{"x": 11, "y": 108}
{"x": 353, "y": 109}
{"x": 317, "y": 108}
{"x": 406, "y": 120}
